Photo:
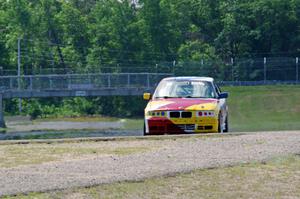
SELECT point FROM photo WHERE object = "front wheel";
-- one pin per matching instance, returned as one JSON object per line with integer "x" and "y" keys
{"x": 219, "y": 125}
{"x": 226, "y": 129}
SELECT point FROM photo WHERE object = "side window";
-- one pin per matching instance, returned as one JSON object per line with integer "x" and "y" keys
{"x": 218, "y": 90}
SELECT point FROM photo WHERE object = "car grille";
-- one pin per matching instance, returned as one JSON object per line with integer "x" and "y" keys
{"x": 177, "y": 114}
{"x": 187, "y": 127}
{"x": 205, "y": 127}
{"x": 186, "y": 114}
{"x": 174, "y": 114}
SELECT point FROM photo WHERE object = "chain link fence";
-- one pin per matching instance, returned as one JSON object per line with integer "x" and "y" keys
{"x": 81, "y": 81}
{"x": 265, "y": 69}
{"x": 244, "y": 69}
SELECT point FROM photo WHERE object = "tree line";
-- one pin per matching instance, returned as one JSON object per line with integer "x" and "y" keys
{"x": 68, "y": 35}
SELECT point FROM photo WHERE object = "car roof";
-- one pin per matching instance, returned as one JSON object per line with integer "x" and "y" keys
{"x": 207, "y": 79}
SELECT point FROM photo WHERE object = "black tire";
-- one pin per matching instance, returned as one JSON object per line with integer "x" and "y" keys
{"x": 226, "y": 130}
{"x": 226, "y": 125}
{"x": 144, "y": 131}
{"x": 219, "y": 125}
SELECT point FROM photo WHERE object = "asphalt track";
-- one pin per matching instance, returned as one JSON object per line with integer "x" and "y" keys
{"x": 173, "y": 156}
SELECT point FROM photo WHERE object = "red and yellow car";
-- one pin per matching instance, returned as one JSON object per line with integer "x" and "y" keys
{"x": 186, "y": 105}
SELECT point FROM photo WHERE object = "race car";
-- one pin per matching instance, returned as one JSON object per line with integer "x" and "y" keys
{"x": 186, "y": 105}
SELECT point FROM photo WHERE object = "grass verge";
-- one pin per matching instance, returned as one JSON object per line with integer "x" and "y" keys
{"x": 278, "y": 178}
{"x": 264, "y": 108}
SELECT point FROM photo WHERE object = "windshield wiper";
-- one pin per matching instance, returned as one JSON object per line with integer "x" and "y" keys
{"x": 195, "y": 97}
{"x": 167, "y": 97}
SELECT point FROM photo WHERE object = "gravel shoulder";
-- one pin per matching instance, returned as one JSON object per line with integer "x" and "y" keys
{"x": 167, "y": 157}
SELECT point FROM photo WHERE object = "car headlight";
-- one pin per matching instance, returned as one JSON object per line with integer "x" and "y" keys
{"x": 156, "y": 113}
{"x": 206, "y": 114}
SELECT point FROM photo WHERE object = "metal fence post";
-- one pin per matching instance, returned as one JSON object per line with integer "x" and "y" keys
{"x": 69, "y": 81}
{"x": 128, "y": 80}
{"x": 174, "y": 65}
{"x": 19, "y": 61}
{"x": 265, "y": 70}
{"x": 148, "y": 80}
{"x": 50, "y": 82}
{"x": 297, "y": 69}
{"x": 11, "y": 83}
{"x": 108, "y": 81}
{"x": 30, "y": 82}
{"x": 90, "y": 79}
{"x": 2, "y": 122}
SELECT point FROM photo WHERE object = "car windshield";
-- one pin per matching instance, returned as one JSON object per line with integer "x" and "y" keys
{"x": 185, "y": 89}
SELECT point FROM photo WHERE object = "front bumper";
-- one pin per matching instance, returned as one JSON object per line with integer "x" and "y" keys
{"x": 159, "y": 126}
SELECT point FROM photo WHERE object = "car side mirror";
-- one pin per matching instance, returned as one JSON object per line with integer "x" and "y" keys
{"x": 147, "y": 96}
{"x": 223, "y": 95}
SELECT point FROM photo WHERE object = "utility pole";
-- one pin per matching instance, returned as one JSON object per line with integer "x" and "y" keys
{"x": 297, "y": 69}
{"x": 19, "y": 72}
{"x": 19, "y": 60}
{"x": 232, "y": 73}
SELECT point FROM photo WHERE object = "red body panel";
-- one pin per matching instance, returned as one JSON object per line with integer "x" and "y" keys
{"x": 163, "y": 126}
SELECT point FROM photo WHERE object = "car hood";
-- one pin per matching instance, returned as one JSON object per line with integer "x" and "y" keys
{"x": 182, "y": 104}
